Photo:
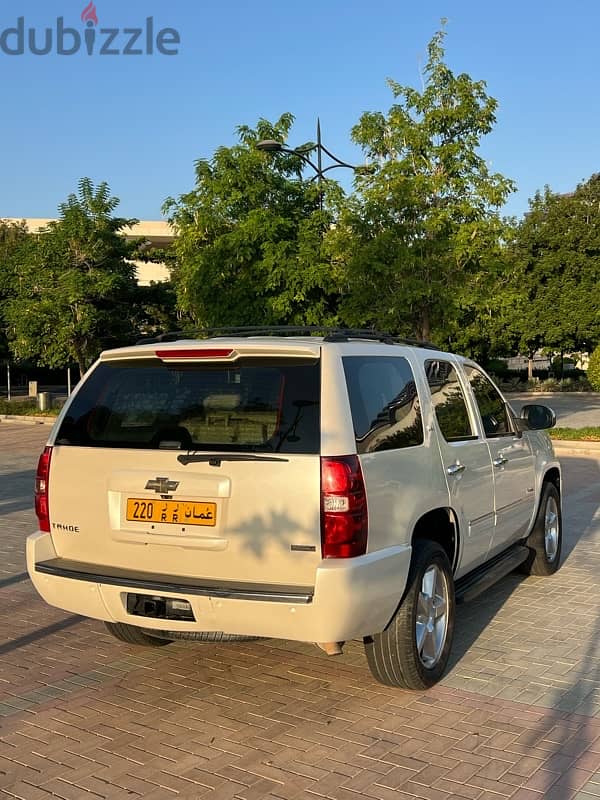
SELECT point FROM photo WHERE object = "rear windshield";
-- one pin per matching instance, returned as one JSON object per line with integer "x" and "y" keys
{"x": 257, "y": 405}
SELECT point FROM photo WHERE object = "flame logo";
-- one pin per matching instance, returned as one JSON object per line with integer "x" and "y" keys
{"x": 89, "y": 14}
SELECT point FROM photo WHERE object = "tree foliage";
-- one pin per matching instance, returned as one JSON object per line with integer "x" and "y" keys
{"x": 423, "y": 217}
{"x": 556, "y": 266}
{"x": 418, "y": 248}
{"x": 484, "y": 305}
{"x": 593, "y": 373}
{"x": 15, "y": 248}
{"x": 72, "y": 295}
{"x": 252, "y": 246}
{"x": 154, "y": 309}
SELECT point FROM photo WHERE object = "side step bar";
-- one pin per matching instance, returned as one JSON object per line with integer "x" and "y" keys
{"x": 483, "y": 577}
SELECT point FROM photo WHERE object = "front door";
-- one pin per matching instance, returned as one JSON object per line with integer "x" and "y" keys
{"x": 512, "y": 460}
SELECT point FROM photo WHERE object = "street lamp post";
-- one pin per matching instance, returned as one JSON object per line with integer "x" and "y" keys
{"x": 273, "y": 146}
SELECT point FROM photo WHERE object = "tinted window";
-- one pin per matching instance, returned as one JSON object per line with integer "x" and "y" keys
{"x": 448, "y": 401}
{"x": 253, "y": 405}
{"x": 384, "y": 403}
{"x": 492, "y": 407}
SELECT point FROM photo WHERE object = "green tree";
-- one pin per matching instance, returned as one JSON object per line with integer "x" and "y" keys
{"x": 556, "y": 264}
{"x": 15, "y": 249}
{"x": 252, "y": 241}
{"x": 485, "y": 305}
{"x": 422, "y": 218}
{"x": 72, "y": 296}
{"x": 154, "y": 309}
{"x": 593, "y": 373}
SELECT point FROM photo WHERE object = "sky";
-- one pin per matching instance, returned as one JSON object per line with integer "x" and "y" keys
{"x": 140, "y": 122}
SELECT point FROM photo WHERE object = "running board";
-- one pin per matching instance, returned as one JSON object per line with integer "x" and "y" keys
{"x": 483, "y": 577}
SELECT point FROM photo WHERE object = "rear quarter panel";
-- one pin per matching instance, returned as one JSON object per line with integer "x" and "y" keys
{"x": 402, "y": 485}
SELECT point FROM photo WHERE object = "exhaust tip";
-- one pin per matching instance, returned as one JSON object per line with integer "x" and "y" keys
{"x": 331, "y": 648}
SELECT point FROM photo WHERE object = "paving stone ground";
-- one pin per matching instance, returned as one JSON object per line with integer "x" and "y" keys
{"x": 517, "y": 716}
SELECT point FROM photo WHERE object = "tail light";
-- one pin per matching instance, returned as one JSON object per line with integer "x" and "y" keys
{"x": 42, "y": 477}
{"x": 344, "y": 519}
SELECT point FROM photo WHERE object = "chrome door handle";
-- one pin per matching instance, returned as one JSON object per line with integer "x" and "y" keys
{"x": 455, "y": 469}
{"x": 500, "y": 462}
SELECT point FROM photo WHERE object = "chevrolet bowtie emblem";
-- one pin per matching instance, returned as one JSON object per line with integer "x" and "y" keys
{"x": 162, "y": 485}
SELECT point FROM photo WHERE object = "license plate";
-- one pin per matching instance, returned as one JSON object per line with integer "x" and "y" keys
{"x": 174, "y": 512}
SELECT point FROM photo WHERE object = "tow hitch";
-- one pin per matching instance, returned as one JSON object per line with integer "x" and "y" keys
{"x": 146, "y": 605}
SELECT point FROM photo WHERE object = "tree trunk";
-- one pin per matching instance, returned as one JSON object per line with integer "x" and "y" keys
{"x": 79, "y": 358}
{"x": 562, "y": 364}
{"x": 530, "y": 367}
{"x": 425, "y": 332}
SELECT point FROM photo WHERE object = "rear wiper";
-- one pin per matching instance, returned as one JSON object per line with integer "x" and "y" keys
{"x": 215, "y": 459}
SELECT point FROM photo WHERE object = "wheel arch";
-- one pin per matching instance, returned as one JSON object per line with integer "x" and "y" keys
{"x": 552, "y": 475}
{"x": 440, "y": 525}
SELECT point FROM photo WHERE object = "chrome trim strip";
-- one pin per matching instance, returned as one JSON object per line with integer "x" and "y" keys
{"x": 230, "y": 591}
{"x": 479, "y": 520}
{"x": 512, "y": 505}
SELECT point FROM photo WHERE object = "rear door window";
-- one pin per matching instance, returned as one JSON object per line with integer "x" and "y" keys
{"x": 384, "y": 403}
{"x": 257, "y": 405}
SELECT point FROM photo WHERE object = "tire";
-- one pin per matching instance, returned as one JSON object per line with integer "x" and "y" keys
{"x": 545, "y": 539}
{"x": 131, "y": 634}
{"x": 201, "y": 636}
{"x": 395, "y": 658}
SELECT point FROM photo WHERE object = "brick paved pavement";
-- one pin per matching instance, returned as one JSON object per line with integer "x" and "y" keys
{"x": 518, "y": 715}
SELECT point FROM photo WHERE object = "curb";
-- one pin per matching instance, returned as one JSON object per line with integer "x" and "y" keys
{"x": 581, "y": 447}
{"x": 25, "y": 420}
{"x": 554, "y": 394}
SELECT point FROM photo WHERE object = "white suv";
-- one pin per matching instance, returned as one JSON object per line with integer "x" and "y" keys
{"x": 319, "y": 489}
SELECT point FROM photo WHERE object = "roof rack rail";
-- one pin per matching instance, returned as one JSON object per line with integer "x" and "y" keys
{"x": 330, "y": 334}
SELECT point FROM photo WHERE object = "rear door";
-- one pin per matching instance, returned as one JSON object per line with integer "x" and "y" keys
{"x": 195, "y": 464}
{"x": 467, "y": 463}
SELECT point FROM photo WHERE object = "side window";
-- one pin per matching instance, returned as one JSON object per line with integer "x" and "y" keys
{"x": 448, "y": 401}
{"x": 493, "y": 410}
{"x": 384, "y": 403}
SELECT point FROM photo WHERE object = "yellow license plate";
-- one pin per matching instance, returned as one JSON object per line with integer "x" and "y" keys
{"x": 174, "y": 512}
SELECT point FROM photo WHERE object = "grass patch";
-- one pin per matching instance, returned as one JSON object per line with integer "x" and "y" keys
{"x": 25, "y": 408}
{"x": 589, "y": 434}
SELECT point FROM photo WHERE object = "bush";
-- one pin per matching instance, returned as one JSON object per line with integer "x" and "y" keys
{"x": 554, "y": 385}
{"x": 512, "y": 385}
{"x": 561, "y": 366}
{"x": 546, "y": 385}
{"x": 26, "y": 408}
{"x": 17, "y": 406}
{"x": 516, "y": 379}
{"x": 498, "y": 368}
{"x": 593, "y": 373}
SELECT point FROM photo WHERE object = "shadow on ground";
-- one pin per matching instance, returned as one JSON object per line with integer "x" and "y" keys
{"x": 16, "y": 491}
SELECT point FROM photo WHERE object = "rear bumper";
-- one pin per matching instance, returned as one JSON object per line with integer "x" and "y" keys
{"x": 351, "y": 598}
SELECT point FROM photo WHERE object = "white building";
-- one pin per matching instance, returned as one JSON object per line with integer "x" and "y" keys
{"x": 157, "y": 234}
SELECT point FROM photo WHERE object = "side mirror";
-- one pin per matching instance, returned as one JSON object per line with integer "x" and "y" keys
{"x": 538, "y": 417}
